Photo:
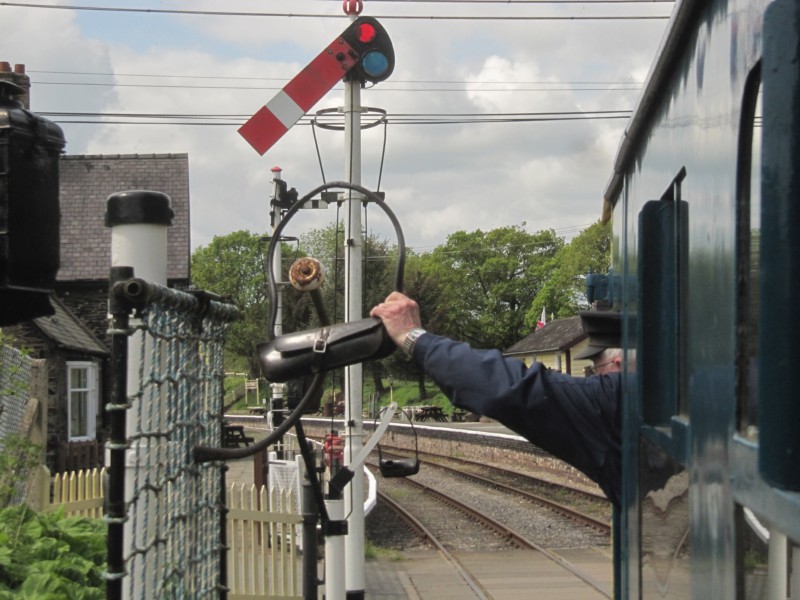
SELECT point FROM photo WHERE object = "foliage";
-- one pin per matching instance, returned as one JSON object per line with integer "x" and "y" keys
{"x": 378, "y": 275}
{"x": 487, "y": 288}
{"x": 378, "y": 267}
{"x": 232, "y": 266}
{"x": 17, "y": 458}
{"x": 50, "y": 557}
{"x": 563, "y": 294}
{"x": 487, "y": 281}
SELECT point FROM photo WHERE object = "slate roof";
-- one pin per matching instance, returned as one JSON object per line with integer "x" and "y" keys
{"x": 68, "y": 332}
{"x": 555, "y": 336}
{"x": 86, "y": 182}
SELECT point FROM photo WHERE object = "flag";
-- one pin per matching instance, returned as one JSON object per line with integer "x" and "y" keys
{"x": 542, "y": 321}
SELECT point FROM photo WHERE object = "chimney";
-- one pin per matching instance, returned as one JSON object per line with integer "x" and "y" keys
{"x": 19, "y": 77}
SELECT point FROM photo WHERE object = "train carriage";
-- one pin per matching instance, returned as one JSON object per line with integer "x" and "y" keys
{"x": 703, "y": 201}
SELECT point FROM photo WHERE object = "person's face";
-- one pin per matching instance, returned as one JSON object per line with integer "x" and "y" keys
{"x": 603, "y": 365}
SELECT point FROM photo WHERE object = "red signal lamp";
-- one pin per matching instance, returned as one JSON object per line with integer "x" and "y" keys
{"x": 365, "y": 32}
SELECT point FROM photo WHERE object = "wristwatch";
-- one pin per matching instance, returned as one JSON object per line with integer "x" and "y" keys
{"x": 411, "y": 339}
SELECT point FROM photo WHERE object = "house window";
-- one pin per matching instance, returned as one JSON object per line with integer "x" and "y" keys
{"x": 82, "y": 399}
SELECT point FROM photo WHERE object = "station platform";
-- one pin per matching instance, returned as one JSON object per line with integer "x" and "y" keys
{"x": 509, "y": 575}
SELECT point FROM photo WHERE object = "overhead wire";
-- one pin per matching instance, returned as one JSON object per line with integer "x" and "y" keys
{"x": 179, "y": 119}
{"x": 283, "y": 79}
{"x": 223, "y": 13}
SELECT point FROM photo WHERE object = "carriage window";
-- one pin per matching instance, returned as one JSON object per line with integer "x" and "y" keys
{"x": 748, "y": 240}
{"x": 663, "y": 252}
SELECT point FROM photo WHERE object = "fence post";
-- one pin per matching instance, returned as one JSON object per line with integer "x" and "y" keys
{"x": 139, "y": 221}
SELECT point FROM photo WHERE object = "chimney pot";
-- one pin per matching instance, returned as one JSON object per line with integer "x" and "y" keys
{"x": 20, "y": 69}
{"x": 5, "y": 67}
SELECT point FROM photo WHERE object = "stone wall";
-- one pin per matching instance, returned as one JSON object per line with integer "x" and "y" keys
{"x": 508, "y": 452}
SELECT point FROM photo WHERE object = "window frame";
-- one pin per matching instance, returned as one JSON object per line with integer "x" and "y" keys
{"x": 91, "y": 390}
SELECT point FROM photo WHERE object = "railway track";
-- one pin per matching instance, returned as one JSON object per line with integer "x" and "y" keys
{"x": 453, "y": 526}
{"x": 582, "y": 506}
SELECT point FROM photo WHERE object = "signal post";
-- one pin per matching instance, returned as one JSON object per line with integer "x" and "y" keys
{"x": 363, "y": 52}
{"x": 353, "y": 375}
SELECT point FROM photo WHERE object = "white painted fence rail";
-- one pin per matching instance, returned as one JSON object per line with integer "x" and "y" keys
{"x": 261, "y": 530}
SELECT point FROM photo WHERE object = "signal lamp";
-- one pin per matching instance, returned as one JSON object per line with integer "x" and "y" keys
{"x": 365, "y": 32}
{"x": 373, "y": 50}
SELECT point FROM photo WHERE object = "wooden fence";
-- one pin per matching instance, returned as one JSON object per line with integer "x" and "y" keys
{"x": 262, "y": 559}
{"x": 79, "y": 493}
{"x": 262, "y": 528}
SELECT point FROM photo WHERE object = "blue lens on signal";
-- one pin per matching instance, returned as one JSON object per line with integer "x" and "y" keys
{"x": 375, "y": 63}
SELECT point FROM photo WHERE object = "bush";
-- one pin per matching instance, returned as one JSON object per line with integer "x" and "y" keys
{"x": 51, "y": 557}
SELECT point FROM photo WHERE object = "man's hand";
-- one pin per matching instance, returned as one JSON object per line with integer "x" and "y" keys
{"x": 400, "y": 314}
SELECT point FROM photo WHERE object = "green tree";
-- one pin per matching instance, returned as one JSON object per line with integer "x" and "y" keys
{"x": 232, "y": 266}
{"x": 378, "y": 279}
{"x": 378, "y": 267}
{"x": 488, "y": 281}
{"x": 422, "y": 285}
{"x": 564, "y": 292}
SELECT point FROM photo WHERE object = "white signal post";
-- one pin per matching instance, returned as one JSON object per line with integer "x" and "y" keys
{"x": 353, "y": 437}
{"x": 354, "y": 251}
{"x": 261, "y": 131}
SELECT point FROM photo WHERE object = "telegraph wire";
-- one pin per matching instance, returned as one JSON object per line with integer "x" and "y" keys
{"x": 284, "y": 80}
{"x": 87, "y": 118}
{"x": 220, "y": 13}
{"x": 618, "y": 87}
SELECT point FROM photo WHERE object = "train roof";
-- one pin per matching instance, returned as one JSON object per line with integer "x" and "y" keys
{"x": 672, "y": 44}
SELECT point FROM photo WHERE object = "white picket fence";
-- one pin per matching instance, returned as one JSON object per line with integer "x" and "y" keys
{"x": 261, "y": 529}
{"x": 262, "y": 559}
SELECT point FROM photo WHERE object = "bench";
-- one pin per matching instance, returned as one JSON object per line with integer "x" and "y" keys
{"x": 432, "y": 413}
{"x": 457, "y": 416}
{"x": 233, "y": 436}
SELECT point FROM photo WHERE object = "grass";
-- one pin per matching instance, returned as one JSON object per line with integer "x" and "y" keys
{"x": 405, "y": 393}
{"x": 373, "y": 552}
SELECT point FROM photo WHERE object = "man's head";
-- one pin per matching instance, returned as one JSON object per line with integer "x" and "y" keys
{"x": 608, "y": 361}
{"x": 604, "y": 349}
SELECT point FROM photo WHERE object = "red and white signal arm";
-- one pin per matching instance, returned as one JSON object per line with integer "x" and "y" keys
{"x": 275, "y": 118}
{"x": 363, "y": 48}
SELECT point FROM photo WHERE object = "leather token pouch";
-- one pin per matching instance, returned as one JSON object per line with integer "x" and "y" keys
{"x": 297, "y": 354}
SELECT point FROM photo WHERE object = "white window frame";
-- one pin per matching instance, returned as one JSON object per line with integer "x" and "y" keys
{"x": 92, "y": 378}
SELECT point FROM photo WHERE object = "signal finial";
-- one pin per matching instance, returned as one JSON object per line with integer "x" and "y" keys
{"x": 352, "y": 7}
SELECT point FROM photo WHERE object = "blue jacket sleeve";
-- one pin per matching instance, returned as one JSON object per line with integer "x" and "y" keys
{"x": 575, "y": 419}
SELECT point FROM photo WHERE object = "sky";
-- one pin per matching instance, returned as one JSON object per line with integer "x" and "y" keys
{"x": 183, "y": 80}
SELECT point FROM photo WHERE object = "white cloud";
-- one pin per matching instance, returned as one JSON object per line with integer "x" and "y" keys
{"x": 438, "y": 178}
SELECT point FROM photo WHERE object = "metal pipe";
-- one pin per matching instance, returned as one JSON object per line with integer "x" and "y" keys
{"x": 310, "y": 558}
{"x": 117, "y": 444}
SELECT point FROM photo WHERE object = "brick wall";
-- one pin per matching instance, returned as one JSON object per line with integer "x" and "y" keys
{"x": 86, "y": 182}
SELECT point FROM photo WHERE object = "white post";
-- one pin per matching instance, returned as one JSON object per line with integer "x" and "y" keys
{"x": 354, "y": 493}
{"x": 139, "y": 222}
{"x": 778, "y": 565}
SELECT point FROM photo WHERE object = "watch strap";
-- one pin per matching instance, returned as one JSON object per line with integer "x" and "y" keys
{"x": 411, "y": 339}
